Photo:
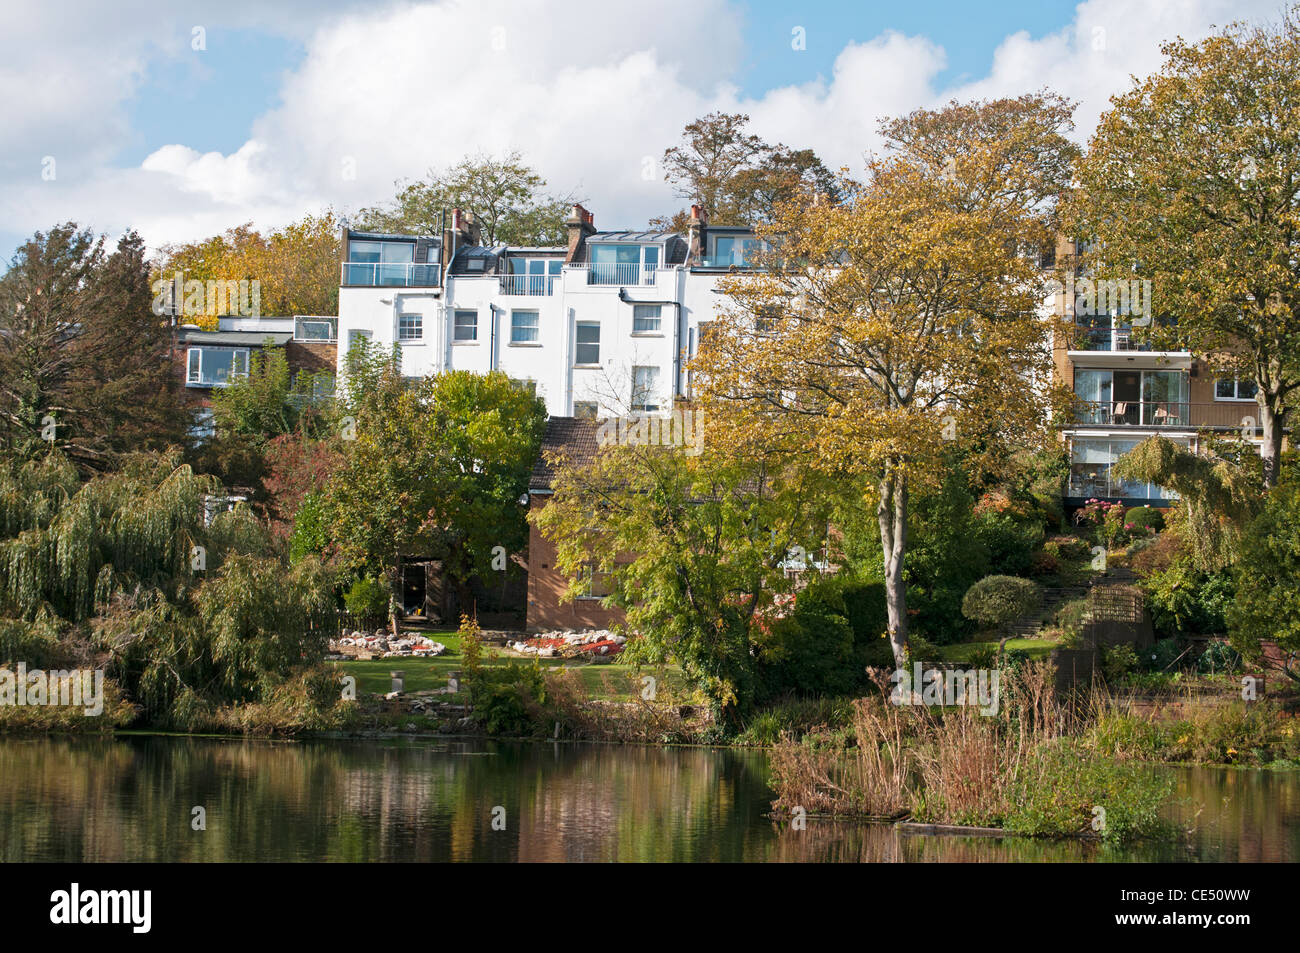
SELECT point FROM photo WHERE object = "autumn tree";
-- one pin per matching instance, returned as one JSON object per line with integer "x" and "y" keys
{"x": 902, "y": 322}
{"x": 84, "y": 361}
{"x": 1192, "y": 181}
{"x": 507, "y": 198}
{"x": 296, "y": 267}
{"x": 736, "y": 176}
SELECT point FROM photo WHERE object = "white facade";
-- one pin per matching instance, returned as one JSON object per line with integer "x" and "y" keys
{"x": 586, "y": 343}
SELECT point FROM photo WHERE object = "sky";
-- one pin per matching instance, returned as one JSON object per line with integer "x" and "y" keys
{"x": 183, "y": 119}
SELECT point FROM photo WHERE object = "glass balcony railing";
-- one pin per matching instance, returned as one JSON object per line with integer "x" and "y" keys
{"x": 391, "y": 274}
{"x": 530, "y": 285}
{"x": 1221, "y": 415}
{"x": 1121, "y": 337}
{"x": 614, "y": 273}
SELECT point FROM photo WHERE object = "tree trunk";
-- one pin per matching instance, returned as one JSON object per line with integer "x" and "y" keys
{"x": 891, "y": 511}
{"x": 1272, "y": 410}
{"x": 394, "y": 594}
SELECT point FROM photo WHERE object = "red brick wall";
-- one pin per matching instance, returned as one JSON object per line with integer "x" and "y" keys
{"x": 547, "y": 585}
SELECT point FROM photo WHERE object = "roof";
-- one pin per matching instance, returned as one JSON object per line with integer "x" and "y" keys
{"x": 234, "y": 338}
{"x": 574, "y": 437}
{"x": 631, "y": 237}
{"x": 393, "y": 237}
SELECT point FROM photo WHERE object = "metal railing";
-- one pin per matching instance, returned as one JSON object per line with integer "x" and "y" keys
{"x": 391, "y": 274}
{"x": 612, "y": 273}
{"x": 1100, "y": 485}
{"x": 528, "y": 284}
{"x": 1219, "y": 415}
{"x": 725, "y": 261}
{"x": 1119, "y": 337}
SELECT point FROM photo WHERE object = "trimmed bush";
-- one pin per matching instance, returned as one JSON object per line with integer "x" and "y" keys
{"x": 1144, "y": 519}
{"x": 997, "y": 600}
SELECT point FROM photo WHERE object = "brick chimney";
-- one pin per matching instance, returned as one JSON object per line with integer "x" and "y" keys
{"x": 697, "y": 234}
{"x": 581, "y": 225}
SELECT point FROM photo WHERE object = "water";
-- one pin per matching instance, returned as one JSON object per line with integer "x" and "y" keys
{"x": 132, "y": 799}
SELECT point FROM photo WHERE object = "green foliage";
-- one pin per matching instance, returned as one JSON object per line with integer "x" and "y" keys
{"x": 268, "y": 402}
{"x": 1010, "y": 542}
{"x": 1219, "y": 657}
{"x": 707, "y": 533}
{"x": 367, "y": 597}
{"x": 997, "y": 600}
{"x": 1184, "y": 599}
{"x": 1117, "y": 661}
{"x": 509, "y": 700}
{"x": 188, "y": 617}
{"x": 437, "y": 467}
{"x": 824, "y": 645}
{"x": 1163, "y": 655}
{"x": 1218, "y": 496}
{"x": 1057, "y": 791}
{"x": 1144, "y": 519}
{"x": 504, "y": 197}
{"x": 1267, "y": 578}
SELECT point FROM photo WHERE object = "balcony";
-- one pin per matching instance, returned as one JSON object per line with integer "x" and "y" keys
{"x": 613, "y": 273}
{"x": 725, "y": 261}
{"x": 391, "y": 274}
{"x": 1096, "y": 483}
{"x": 529, "y": 285}
{"x": 1165, "y": 414}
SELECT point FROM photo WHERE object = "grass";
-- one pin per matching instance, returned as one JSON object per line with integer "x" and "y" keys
{"x": 962, "y": 651}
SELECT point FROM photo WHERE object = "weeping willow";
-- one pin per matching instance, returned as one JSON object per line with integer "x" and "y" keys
{"x": 1218, "y": 497}
{"x": 187, "y": 615}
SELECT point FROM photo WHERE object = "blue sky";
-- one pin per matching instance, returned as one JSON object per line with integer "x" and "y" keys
{"x": 293, "y": 107}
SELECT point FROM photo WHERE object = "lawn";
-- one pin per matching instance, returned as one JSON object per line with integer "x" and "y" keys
{"x": 962, "y": 651}
{"x": 604, "y": 680}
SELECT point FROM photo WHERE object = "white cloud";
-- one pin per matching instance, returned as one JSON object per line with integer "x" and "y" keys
{"x": 591, "y": 93}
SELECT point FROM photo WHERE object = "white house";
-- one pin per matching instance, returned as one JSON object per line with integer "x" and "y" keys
{"x": 601, "y": 326}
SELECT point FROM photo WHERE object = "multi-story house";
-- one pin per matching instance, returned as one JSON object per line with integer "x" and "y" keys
{"x": 602, "y": 326}
{"x": 1126, "y": 391}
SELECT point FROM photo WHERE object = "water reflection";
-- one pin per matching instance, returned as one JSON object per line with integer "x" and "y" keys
{"x": 130, "y": 799}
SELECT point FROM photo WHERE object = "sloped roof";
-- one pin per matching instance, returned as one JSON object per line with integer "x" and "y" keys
{"x": 574, "y": 437}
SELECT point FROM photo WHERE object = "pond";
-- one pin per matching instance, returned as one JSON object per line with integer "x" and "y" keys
{"x": 133, "y": 798}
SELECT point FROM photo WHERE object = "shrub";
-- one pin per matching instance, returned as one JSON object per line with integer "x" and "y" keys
{"x": 1118, "y": 661}
{"x": 509, "y": 699}
{"x": 1144, "y": 519}
{"x": 1163, "y": 654}
{"x": 1044, "y": 564}
{"x": 1070, "y": 618}
{"x": 997, "y": 600}
{"x": 810, "y": 651}
{"x": 1185, "y": 599}
{"x": 367, "y": 597}
{"x": 1010, "y": 542}
{"x": 1067, "y": 547}
{"x": 1219, "y": 657}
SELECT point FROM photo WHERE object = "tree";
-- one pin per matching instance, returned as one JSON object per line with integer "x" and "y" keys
{"x": 692, "y": 547}
{"x": 505, "y": 196}
{"x": 83, "y": 359}
{"x": 901, "y": 323}
{"x": 1219, "y": 496}
{"x": 1267, "y": 576}
{"x": 1192, "y": 181}
{"x": 183, "y": 615}
{"x": 737, "y": 177}
{"x": 436, "y": 468}
{"x": 296, "y": 267}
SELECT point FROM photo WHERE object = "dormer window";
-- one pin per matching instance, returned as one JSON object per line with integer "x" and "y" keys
{"x": 616, "y": 263}
{"x": 736, "y": 251}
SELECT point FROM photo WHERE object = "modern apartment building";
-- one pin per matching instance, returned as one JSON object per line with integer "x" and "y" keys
{"x": 602, "y": 326}
{"x": 1125, "y": 391}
